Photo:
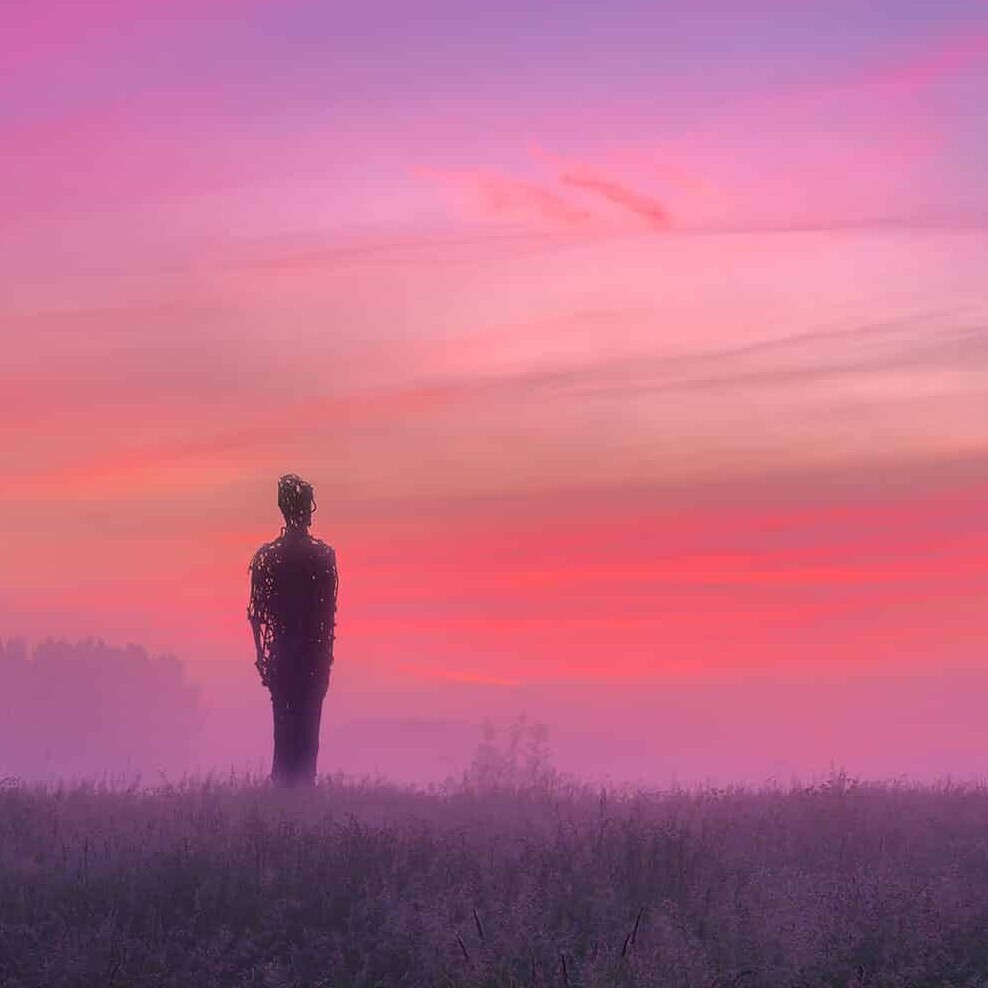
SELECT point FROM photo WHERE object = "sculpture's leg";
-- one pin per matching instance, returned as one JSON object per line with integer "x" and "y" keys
{"x": 297, "y": 707}
{"x": 290, "y": 734}
{"x": 290, "y": 764}
{"x": 309, "y": 747}
{"x": 282, "y": 761}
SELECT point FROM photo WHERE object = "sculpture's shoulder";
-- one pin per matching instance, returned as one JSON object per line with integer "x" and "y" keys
{"x": 287, "y": 552}
{"x": 267, "y": 554}
{"x": 322, "y": 551}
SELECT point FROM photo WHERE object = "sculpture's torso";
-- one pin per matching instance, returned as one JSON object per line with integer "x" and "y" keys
{"x": 293, "y": 599}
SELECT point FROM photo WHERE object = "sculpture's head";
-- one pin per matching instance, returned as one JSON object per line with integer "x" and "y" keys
{"x": 296, "y": 500}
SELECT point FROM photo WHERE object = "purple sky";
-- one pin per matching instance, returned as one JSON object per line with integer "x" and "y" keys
{"x": 624, "y": 344}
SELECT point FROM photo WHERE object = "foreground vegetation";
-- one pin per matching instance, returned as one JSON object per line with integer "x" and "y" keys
{"x": 489, "y": 882}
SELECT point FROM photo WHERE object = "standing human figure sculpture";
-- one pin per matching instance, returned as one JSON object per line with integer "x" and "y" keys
{"x": 292, "y": 612}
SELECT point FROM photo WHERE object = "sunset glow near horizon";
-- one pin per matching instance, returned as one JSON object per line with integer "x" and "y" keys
{"x": 643, "y": 343}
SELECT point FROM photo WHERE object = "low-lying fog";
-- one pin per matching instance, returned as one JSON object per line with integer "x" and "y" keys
{"x": 88, "y": 709}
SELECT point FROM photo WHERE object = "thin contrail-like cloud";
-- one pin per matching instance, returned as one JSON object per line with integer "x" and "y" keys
{"x": 646, "y": 207}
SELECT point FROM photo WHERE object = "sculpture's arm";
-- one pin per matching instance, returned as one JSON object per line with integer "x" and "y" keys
{"x": 255, "y": 625}
{"x": 329, "y": 600}
{"x": 336, "y": 597}
{"x": 255, "y": 614}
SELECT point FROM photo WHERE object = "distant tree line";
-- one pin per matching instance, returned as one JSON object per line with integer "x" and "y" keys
{"x": 93, "y": 710}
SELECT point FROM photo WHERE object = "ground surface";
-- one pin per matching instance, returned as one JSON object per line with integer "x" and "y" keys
{"x": 363, "y": 884}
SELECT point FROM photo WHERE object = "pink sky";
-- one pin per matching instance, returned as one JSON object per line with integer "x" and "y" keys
{"x": 644, "y": 346}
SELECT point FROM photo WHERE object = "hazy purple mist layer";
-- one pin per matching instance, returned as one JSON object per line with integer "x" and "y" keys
{"x": 92, "y": 710}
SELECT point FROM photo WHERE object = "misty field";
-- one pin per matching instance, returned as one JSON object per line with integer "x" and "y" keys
{"x": 547, "y": 883}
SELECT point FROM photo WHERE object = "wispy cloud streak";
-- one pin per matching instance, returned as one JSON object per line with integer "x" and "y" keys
{"x": 642, "y": 206}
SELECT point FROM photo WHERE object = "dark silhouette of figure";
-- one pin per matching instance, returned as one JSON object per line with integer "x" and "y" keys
{"x": 292, "y": 611}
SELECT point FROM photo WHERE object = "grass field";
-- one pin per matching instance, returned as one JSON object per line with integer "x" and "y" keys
{"x": 487, "y": 883}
